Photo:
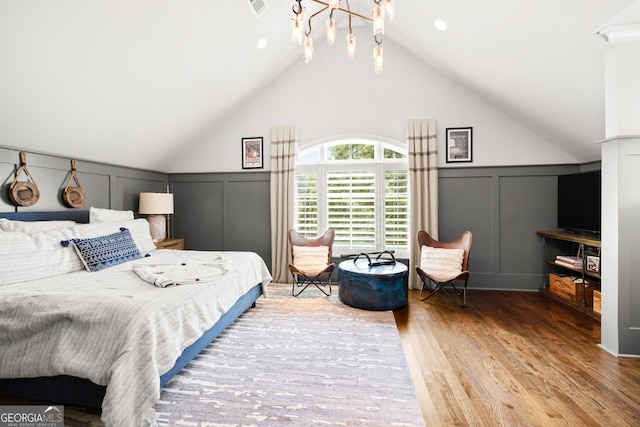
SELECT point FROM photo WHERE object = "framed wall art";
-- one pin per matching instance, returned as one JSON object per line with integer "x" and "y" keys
{"x": 252, "y": 155}
{"x": 459, "y": 144}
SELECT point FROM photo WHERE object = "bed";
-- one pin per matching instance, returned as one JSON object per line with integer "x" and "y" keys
{"x": 112, "y": 337}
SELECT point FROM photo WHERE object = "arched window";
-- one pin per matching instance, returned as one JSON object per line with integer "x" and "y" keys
{"x": 357, "y": 187}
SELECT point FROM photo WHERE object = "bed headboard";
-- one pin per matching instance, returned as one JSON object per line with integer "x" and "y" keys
{"x": 73, "y": 215}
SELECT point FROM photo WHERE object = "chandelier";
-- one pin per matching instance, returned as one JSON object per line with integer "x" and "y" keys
{"x": 334, "y": 6}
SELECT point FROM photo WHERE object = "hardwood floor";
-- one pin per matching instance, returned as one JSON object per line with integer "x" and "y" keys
{"x": 514, "y": 359}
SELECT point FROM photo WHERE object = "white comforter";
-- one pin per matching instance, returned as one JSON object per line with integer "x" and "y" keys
{"x": 115, "y": 329}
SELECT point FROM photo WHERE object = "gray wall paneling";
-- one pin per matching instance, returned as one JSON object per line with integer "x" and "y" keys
{"x": 503, "y": 207}
{"x": 198, "y": 215}
{"x": 105, "y": 186}
{"x": 226, "y": 211}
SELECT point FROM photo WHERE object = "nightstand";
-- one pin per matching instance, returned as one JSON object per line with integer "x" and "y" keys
{"x": 173, "y": 243}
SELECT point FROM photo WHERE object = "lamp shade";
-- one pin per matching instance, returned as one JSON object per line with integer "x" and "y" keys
{"x": 156, "y": 203}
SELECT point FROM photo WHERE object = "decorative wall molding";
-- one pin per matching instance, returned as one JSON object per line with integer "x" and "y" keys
{"x": 621, "y": 33}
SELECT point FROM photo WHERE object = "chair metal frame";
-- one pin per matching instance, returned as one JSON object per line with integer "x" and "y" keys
{"x": 462, "y": 242}
{"x": 302, "y": 279}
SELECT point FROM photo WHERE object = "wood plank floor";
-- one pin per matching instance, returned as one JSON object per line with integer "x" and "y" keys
{"x": 514, "y": 359}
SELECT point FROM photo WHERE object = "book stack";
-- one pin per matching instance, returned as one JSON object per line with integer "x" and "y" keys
{"x": 569, "y": 261}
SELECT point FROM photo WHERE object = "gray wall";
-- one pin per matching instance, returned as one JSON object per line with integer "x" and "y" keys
{"x": 227, "y": 211}
{"x": 223, "y": 211}
{"x": 503, "y": 207}
{"x": 105, "y": 186}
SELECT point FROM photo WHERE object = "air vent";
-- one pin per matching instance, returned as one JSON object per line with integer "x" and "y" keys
{"x": 258, "y": 6}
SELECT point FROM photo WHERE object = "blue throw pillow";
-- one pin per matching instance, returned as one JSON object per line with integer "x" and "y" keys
{"x": 98, "y": 253}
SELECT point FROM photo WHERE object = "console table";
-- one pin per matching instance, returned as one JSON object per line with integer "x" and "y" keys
{"x": 586, "y": 295}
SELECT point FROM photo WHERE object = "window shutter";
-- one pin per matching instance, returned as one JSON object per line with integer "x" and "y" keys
{"x": 351, "y": 202}
{"x": 396, "y": 210}
{"x": 306, "y": 204}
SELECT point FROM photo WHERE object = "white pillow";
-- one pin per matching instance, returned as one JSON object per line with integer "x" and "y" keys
{"x": 108, "y": 215}
{"x": 310, "y": 259}
{"x": 48, "y": 259}
{"x": 139, "y": 229}
{"x": 441, "y": 264}
{"x": 31, "y": 227}
{"x": 16, "y": 242}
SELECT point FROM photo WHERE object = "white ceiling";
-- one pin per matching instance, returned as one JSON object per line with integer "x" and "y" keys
{"x": 127, "y": 81}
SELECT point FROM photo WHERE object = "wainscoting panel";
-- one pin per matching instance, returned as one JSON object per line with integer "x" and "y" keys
{"x": 7, "y": 173}
{"x": 503, "y": 207}
{"x": 128, "y": 189}
{"x": 199, "y": 212}
{"x": 97, "y": 190}
{"x": 247, "y": 204}
{"x": 527, "y": 203}
{"x": 466, "y": 204}
{"x": 224, "y": 212}
{"x": 105, "y": 186}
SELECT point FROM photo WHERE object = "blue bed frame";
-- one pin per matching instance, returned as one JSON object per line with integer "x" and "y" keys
{"x": 65, "y": 389}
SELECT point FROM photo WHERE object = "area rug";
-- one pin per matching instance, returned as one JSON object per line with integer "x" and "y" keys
{"x": 309, "y": 361}
{"x": 293, "y": 361}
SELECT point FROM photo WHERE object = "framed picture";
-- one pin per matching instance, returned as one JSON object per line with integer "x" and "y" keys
{"x": 252, "y": 157}
{"x": 459, "y": 144}
{"x": 593, "y": 264}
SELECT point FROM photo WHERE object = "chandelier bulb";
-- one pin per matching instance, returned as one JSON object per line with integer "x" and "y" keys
{"x": 308, "y": 49}
{"x": 377, "y": 59}
{"x": 378, "y": 19}
{"x": 334, "y": 4}
{"x": 351, "y": 45}
{"x": 297, "y": 28}
{"x": 331, "y": 31}
{"x": 391, "y": 9}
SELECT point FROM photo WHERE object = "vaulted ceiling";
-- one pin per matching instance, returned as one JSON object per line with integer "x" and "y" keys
{"x": 123, "y": 81}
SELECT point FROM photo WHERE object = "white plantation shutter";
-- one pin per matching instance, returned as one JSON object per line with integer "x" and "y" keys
{"x": 351, "y": 208}
{"x": 306, "y": 204}
{"x": 396, "y": 210}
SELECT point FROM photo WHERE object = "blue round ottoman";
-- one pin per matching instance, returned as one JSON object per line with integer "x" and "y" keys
{"x": 381, "y": 287}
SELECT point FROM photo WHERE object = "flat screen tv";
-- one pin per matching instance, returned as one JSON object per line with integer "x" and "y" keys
{"x": 579, "y": 202}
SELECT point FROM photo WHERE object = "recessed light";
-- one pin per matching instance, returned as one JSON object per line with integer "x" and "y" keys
{"x": 262, "y": 43}
{"x": 440, "y": 24}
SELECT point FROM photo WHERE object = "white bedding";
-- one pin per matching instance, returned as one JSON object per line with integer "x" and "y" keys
{"x": 115, "y": 329}
{"x": 183, "y": 273}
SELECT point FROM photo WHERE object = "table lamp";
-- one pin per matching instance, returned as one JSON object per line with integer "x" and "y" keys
{"x": 156, "y": 205}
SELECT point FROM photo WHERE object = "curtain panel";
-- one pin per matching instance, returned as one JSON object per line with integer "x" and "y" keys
{"x": 283, "y": 167}
{"x": 423, "y": 186}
